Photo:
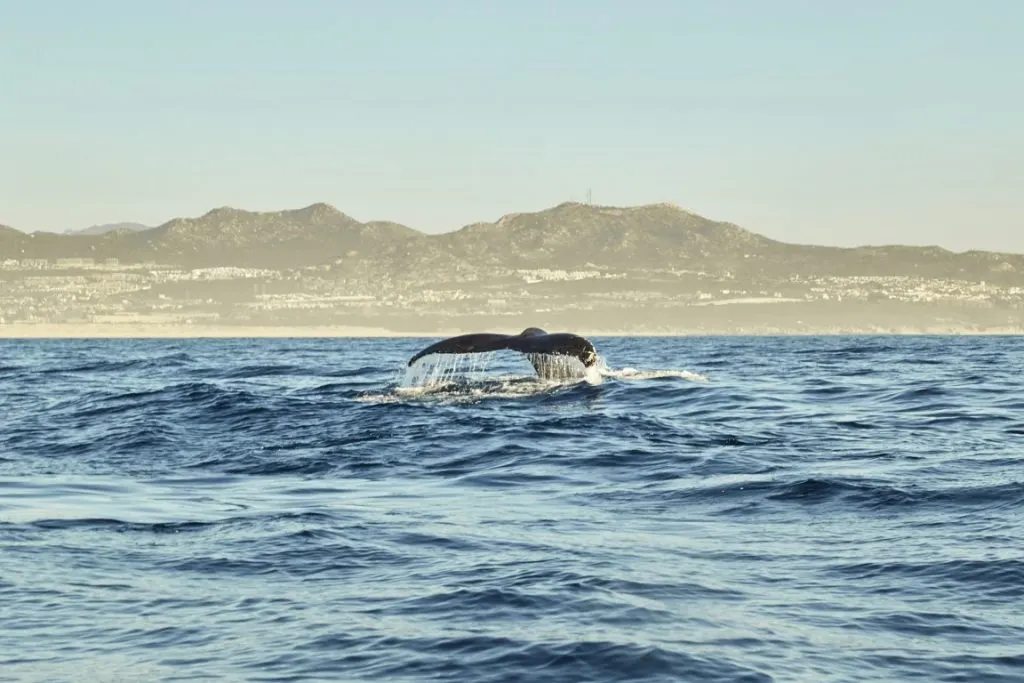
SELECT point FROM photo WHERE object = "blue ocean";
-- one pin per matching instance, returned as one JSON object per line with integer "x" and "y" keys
{"x": 706, "y": 509}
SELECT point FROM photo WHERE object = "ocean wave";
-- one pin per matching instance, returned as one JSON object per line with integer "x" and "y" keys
{"x": 993, "y": 579}
{"x": 497, "y": 658}
{"x": 289, "y": 509}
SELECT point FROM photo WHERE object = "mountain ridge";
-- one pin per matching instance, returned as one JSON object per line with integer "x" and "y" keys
{"x": 108, "y": 227}
{"x": 570, "y": 235}
{"x": 101, "y": 229}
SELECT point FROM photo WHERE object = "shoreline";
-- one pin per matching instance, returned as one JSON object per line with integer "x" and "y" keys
{"x": 157, "y": 331}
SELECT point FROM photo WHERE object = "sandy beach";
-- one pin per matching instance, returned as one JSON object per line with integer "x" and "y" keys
{"x": 158, "y": 331}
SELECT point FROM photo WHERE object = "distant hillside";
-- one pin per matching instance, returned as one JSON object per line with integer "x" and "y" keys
{"x": 108, "y": 227}
{"x": 567, "y": 236}
{"x": 572, "y": 235}
{"x": 316, "y": 234}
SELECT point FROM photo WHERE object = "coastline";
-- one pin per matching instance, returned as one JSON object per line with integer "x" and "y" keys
{"x": 158, "y": 331}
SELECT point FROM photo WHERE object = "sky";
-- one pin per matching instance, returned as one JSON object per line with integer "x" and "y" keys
{"x": 813, "y": 121}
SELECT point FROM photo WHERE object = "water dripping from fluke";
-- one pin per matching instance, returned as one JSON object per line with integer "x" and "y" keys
{"x": 442, "y": 369}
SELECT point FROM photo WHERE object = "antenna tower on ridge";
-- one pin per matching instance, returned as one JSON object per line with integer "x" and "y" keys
{"x": 589, "y": 198}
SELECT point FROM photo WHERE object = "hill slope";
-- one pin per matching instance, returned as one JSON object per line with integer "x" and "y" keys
{"x": 568, "y": 236}
{"x": 108, "y": 227}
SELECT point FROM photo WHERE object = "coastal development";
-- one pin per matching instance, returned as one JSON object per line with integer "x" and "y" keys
{"x": 107, "y": 293}
{"x": 642, "y": 270}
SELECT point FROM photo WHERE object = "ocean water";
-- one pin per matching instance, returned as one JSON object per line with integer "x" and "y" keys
{"x": 706, "y": 509}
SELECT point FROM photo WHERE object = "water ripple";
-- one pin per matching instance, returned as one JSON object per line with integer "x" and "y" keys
{"x": 715, "y": 509}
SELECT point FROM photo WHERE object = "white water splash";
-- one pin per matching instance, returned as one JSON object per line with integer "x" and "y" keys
{"x": 465, "y": 376}
{"x": 635, "y": 374}
{"x": 461, "y": 377}
{"x": 463, "y": 392}
{"x": 561, "y": 368}
{"x": 444, "y": 368}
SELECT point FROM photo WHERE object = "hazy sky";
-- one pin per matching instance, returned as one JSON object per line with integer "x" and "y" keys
{"x": 830, "y": 122}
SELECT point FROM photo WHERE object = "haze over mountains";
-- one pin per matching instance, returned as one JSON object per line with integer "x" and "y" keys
{"x": 570, "y": 236}
{"x": 654, "y": 268}
{"x": 107, "y": 227}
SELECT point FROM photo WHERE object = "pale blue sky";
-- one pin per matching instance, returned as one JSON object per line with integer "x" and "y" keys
{"x": 814, "y": 121}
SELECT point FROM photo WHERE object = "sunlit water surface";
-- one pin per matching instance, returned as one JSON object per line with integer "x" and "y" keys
{"x": 701, "y": 509}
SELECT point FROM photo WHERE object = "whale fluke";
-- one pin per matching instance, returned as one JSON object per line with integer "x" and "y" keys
{"x": 540, "y": 347}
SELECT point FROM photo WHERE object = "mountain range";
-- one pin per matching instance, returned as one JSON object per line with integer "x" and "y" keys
{"x": 568, "y": 236}
{"x": 108, "y": 227}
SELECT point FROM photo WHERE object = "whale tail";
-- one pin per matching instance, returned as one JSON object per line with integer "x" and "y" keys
{"x": 546, "y": 352}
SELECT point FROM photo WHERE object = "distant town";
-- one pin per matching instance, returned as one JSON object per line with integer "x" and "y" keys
{"x": 77, "y": 291}
{"x": 652, "y": 269}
